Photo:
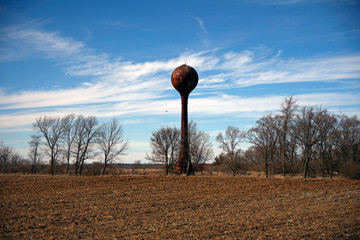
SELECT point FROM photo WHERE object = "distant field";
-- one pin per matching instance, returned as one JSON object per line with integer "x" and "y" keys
{"x": 178, "y": 207}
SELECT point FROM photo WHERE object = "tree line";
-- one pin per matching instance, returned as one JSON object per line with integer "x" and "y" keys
{"x": 73, "y": 138}
{"x": 307, "y": 140}
{"x": 299, "y": 139}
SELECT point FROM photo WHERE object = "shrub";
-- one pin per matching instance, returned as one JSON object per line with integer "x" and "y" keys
{"x": 351, "y": 170}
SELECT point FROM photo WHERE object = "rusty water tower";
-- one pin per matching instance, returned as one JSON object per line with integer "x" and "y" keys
{"x": 184, "y": 79}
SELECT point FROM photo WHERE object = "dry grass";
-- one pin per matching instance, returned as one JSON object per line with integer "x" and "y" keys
{"x": 178, "y": 207}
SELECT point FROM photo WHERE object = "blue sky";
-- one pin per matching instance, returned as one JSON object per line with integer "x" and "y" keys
{"x": 115, "y": 58}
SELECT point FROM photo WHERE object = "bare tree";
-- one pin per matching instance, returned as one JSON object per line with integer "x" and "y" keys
{"x": 293, "y": 147}
{"x": 264, "y": 136}
{"x": 89, "y": 136}
{"x": 79, "y": 126}
{"x": 136, "y": 166}
{"x": 68, "y": 137}
{"x": 200, "y": 146}
{"x": 230, "y": 146}
{"x": 349, "y": 138}
{"x": 165, "y": 147}
{"x": 111, "y": 141}
{"x": 6, "y": 154}
{"x": 307, "y": 134}
{"x": 253, "y": 158}
{"x": 325, "y": 125}
{"x": 287, "y": 119}
{"x": 348, "y": 144}
{"x": 85, "y": 138}
{"x": 34, "y": 153}
{"x": 10, "y": 159}
{"x": 51, "y": 129}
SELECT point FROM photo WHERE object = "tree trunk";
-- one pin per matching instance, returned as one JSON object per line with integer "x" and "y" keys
{"x": 103, "y": 171}
{"x": 77, "y": 163}
{"x": 81, "y": 166}
{"x": 76, "y": 170}
{"x": 188, "y": 171}
{"x": 306, "y": 166}
{"x": 52, "y": 162}
{"x": 68, "y": 162}
{"x": 167, "y": 165}
{"x": 33, "y": 167}
{"x": 266, "y": 165}
{"x": 266, "y": 168}
{"x": 283, "y": 158}
{"x": 166, "y": 169}
{"x": 331, "y": 170}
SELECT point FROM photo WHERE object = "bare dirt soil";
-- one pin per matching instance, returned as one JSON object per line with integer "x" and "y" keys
{"x": 177, "y": 207}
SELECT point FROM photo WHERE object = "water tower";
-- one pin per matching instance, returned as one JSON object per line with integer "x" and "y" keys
{"x": 184, "y": 79}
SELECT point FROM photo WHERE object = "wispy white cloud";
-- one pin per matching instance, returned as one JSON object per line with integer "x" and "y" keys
{"x": 14, "y": 130}
{"x": 116, "y": 87}
{"x": 201, "y": 24}
{"x": 203, "y": 34}
{"x": 240, "y": 68}
{"x": 119, "y": 24}
{"x": 251, "y": 70}
{"x": 25, "y": 42}
{"x": 215, "y": 106}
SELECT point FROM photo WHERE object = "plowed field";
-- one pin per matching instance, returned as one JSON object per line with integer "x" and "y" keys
{"x": 177, "y": 207}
